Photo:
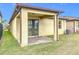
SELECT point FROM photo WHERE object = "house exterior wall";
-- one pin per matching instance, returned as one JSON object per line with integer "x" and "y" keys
{"x": 18, "y": 29}
{"x": 76, "y": 26}
{"x": 14, "y": 28}
{"x": 62, "y": 30}
{"x": 70, "y": 26}
{"x": 46, "y": 27}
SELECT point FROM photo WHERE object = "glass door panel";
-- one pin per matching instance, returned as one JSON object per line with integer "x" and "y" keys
{"x": 33, "y": 27}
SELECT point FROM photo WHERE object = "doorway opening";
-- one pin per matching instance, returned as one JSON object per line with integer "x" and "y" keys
{"x": 33, "y": 27}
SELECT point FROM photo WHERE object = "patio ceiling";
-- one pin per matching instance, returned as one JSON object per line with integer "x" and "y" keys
{"x": 40, "y": 15}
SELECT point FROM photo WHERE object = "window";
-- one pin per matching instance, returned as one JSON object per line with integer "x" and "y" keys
{"x": 60, "y": 24}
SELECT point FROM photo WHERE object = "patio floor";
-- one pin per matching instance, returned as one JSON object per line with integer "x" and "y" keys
{"x": 38, "y": 40}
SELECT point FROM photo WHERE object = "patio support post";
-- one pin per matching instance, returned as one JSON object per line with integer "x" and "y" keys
{"x": 24, "y": 28}
{"x": 55, "y": 28}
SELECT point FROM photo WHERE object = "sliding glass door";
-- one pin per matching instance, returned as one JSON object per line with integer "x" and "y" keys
{"x": 33, "y": 27}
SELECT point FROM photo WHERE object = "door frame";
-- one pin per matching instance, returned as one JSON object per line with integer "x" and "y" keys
{"x": 37, "y": 29}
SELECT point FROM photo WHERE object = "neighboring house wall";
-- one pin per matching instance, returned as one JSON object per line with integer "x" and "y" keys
{"x": 70, "y": 26}
{"x": 62, "y": 30}
{"x": 76, "y": 26}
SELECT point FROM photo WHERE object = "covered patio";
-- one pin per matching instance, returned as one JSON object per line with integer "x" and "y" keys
{"x": 37, "y": 25}
{"x": 34, "y": 23}
{"x": 38, "y": 40}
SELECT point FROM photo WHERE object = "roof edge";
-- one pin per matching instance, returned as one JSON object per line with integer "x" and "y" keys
{"x": 38, "y": 8}
{"x": 20, "y": 5}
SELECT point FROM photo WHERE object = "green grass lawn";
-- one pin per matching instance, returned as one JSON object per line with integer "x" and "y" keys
{"x": 68, "y": 44}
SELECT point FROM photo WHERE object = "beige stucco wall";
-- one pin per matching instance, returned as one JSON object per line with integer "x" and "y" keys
{"x": 13, "y": 27}
{"x": 76, "y": 26}
{"x": 63, "y": 29}
{"x": 46, "y": 27}
{"x": 18, "y": 29}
